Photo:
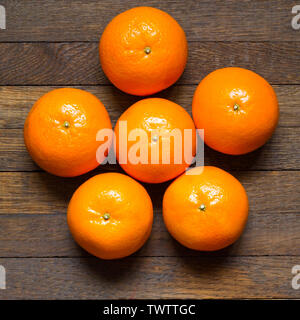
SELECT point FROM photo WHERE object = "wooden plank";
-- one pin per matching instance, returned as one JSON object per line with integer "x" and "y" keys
{"x": 42, "y": 193}
{"x": 34, "y": 235}
{"x": 78, "y": 63}
{"x": 17, "y": 101}
{"x": 280, "y": 153}
{"x": 190, "y": 277}
{"x": 256, "y": 20}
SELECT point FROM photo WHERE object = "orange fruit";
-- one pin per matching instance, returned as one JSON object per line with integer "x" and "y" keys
{"x": 143, "y": 50}
{"x": 60, "y": 131}
{"x": 110, "y": 216}
{"x": 237, "y": 109}
{"x": 205, "y": 210}
{"x": 158, "y": 119}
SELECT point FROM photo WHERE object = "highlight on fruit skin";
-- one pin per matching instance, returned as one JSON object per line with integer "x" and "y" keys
{"x": 143, "y": 51}
{"x": 60, "y": 131}
{"x": 205, "y": 210}
{"x": 237, "y": 108}
{"x": 110, "y": 216}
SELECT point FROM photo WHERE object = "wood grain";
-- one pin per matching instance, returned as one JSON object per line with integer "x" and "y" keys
{"x": 36, "y": 235}
{"x": 33, "y": 222}
{"x": 189, "y": 277}
{"x": 280, "y": 153}
{"x": 41, "y": 193}
{"x": 17, "y": 101}
{"x": 78, "y": 63}
{"x": 255, "y": 20}
{"x": 51, "y": 44}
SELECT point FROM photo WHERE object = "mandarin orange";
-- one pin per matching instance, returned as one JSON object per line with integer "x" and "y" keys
{"x": 159, "y": 142}
{"x": 110, "y": 216}
{"x": 60, "y": 131}
{"x": 237, "y": 109}
{"x": 206, "y": 209}
{"x": 143, "y": 50}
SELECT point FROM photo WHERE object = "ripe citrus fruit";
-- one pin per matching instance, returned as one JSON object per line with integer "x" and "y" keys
{"x": 60, "y": 131}
{"x": 110, "y": 215}
{"x": 205, "y": 210}
{"x": 143, "y": 50}
{"x": 166, "y": 127}
{"x": 237, "y": 109}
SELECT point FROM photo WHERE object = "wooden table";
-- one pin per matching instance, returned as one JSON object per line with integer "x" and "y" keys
{"x": 49, "y": 44}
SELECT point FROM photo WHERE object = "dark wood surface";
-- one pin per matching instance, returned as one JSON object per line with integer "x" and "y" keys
{"x": 77, "y": 63}
{"x": 53, "y": 43}
{"x": 79, "y": 20}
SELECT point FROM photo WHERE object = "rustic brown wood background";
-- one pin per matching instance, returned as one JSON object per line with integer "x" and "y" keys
{"x": 49, "y": 44}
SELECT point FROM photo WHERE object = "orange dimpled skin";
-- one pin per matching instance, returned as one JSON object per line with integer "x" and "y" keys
{"x": 143, "y": 50}
{"x": 159, "y": 119}
{"x": 60, "y": 131}
{"x": 205, "y": 210}
{"x": 237, "y": 109}
{"x": 110, "y": 216}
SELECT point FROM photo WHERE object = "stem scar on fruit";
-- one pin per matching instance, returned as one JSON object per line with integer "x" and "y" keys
{"x": 155, "y": 138}
{"x": 106, "y": 216}
{"x": 202, "y": 207}
{"x": 236, "y": 107}
{"x": 66, "y": 124}
{"x": 147, "y": 50}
